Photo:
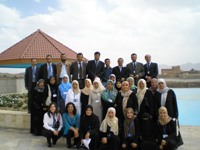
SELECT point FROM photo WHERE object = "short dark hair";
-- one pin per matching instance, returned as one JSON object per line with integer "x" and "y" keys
{"x": 33, "y": 59}
{"x": 78, "y": 54}
{"x": 133, "y": 54}
{"x": 106, "y": 59}
{"x": 66, "y": 108}
{"x": 97, "y": 53}
{"x": 48, "y": 55}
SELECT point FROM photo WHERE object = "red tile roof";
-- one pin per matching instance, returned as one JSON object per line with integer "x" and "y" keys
{"x": 37, "y": 45}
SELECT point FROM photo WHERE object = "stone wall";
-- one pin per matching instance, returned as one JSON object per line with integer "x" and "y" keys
{"x": 11, "y": 85}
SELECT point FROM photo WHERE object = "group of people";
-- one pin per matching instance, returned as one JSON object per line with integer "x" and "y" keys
{"x": 104, "y": 107}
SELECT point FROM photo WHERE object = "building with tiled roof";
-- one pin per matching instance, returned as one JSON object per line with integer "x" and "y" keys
{"x": 37, "y": 45}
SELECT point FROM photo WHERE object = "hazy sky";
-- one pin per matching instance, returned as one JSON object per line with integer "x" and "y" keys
{"x": 169, "y": 30}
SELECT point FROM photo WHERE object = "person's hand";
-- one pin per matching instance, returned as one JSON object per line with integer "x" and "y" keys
{"x": 161, "y": 147}
{"x": 123, "y": 79}
{"x": 137, "y": 76}
{"x": 104, "y": 140}
{"x": 134, "y": 145}
{"x": 76, "y": 133}
{"x": 163, "y": 142}
{"x": 124, "y": 145}
{"x": 55, "y": 132}
{"x": 87, "y": 136}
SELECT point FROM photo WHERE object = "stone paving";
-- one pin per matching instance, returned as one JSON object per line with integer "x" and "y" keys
{"x": 17, "y": 139}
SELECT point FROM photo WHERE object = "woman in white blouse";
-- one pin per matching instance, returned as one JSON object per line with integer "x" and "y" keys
{"x": 73, "y": 95}
{"x": 53, "y": 125}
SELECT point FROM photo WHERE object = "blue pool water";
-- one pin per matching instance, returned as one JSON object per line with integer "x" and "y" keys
{"x": 189, "y": 105}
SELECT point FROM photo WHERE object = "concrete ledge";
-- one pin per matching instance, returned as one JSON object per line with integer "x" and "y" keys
{"x": 14, "y": 119}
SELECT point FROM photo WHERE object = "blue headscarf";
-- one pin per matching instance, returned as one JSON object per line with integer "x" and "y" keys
{"x": 64, "y": 87}
{"x": 109, "y": 94}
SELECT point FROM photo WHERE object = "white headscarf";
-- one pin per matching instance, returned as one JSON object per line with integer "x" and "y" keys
{"x": 163, "y": 92}
{"x": 77, "y": 90}
{"x": 87, "y": 90}
{"x": 141, "y": 92}
{"x": 111, "y": 122}
{"x": 100, "y": 88}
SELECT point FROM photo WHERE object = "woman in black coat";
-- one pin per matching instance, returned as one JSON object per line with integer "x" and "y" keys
{"x": 89, "y": 127}
{"x": 37, "y": 107}
{"x": 145, "y": 99}
{"x": 166, "y": 131}
{"x": 165, "y": 97}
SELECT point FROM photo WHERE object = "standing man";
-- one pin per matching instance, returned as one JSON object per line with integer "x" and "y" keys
{"x": 47, "y": 70}
{"x": 78, "y": 70}
{"x": 63, "y": 68}
{"x": 151, "y": 70}
{"x": 119, "y": 71}
{"x": 136, "y": 69}
{"x": 95, "y": 67}
{"x": 107, "y": 71}
{"x": 31, "y": 78}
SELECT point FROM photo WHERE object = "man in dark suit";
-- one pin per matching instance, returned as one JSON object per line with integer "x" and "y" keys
{"x": 47, "y": 70}
{"x": 136, "y": 69}
{"x": 78, "y": 70}
{"x": 31, "y": 78}
{"x": 119, "y": 71}
{"x": 95, "y": 68}
{"x": 151, "y": 70}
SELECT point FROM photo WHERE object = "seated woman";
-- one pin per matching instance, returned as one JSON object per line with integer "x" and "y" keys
{"x": 130, "y": 137}
{"x": 166, "y": 135}
{"x": 109, "y": 131}
{"x": 52, "y": 125}
{"x": 89, "y": 127}
{"x": 71, "y": 123}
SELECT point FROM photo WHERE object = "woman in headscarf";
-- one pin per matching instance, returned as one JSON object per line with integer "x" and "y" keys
{"x": 118, "y": 85}
{"x": 73, "y": 95}
{"x": 113, "y": 78}
{"x": 85, "y": 95}
{"x": 109, "y": 131}
{"x": 131, "y": 131}
{"x": 165, "y": 96}
{"x": 131, "y": 82}
{"x": 63, "y": 89}
{"x": 125, "y": 98}
{"x": 51, "y": 92}
{"x": 37, "y": 111}
{"x": 95, "y": 97}
{"x": 71, "y": 124}
{"x": 53, "y": 125}
{"x": 89, "y": 127}
{"x": 166, "y": 135}
{"x": 108, "y": 97}
{"x": 145, "y": 99}
{"x": 154, "y": 86}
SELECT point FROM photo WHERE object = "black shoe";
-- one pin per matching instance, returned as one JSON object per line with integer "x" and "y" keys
{"x": 48, "y": 142}
{"x": 69, "y": 146}
{"x": 54, "y": 141}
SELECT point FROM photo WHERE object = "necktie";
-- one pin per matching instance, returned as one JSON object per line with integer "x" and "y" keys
{"x": 134, "y": 66}
{"x": 49, "y": 71}
{"x": 148, "y": 65}
{"x": 96, "y": 64}
{"x": 80, "y": 70}
{"x": 33, "y": 74}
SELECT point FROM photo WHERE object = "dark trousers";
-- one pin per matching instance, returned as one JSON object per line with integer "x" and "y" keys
{"x": 129, "y": 141}
{"x": 113, "y": 144}
{"x": 81, "y": 83}
{"x": 70, "y": 135}
{"x": 49, "y": 135}
{"x": 94, "y": 144}
{"x": 30, "y": 96}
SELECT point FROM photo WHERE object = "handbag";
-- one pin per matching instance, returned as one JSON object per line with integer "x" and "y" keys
{"x": 48, "y": 100}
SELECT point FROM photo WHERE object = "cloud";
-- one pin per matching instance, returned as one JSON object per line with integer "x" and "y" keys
{"x": 115, "y": 28}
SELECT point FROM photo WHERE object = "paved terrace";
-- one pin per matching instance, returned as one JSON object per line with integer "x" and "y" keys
{"x": 19, "y": 139}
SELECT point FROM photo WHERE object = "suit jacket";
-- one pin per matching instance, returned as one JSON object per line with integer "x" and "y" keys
{"x": 28, "y": 77}
{"x": 43, "y": 73}
{"x": 139, "y": 70}
{"x": 153, "y": 70}
{"x": 59, "y": 67}
{"x": 119, "y": 75}
{"x": 93, "y": 71}
{"x": 74, "y": 70}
